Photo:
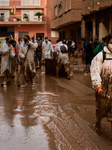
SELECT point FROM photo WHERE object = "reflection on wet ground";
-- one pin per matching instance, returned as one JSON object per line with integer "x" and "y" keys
{"x": 51, "y": 114}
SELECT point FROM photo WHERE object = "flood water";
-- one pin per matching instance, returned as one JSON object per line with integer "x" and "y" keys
{"x": 51, "y": 114}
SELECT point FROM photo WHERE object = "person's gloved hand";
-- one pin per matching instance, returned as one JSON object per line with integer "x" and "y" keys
{"x": 99, "y": 89}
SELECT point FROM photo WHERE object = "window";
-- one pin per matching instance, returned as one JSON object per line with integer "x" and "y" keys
{"x": 31, "y": 14}
{"x": 69, "y": 4}
{"x": 25, "y": 2}
{"x": 66, "y": 5}
{"x": 22, "y": 34}
{"x": 54, "y": 34}
{"x": 35, "y": 18}
{"x": 36, "y": 2}
{"x": 4, "y": 3}
{"x": 26, "y": 12}
{"x": 55, "y": 11}
{"x": 4, "y": 15}
{"x": 60, "y": 8}
{"x": 31, "y": 2}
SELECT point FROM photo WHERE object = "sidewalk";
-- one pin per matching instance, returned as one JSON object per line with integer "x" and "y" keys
{"x": 76, "y": 65}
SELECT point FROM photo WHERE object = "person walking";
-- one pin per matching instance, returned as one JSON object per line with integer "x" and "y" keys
{"x": 46, "y": 47}
{"x": 74, "y": 47}
{"x": 27, "y": 54}
{"x": 101, "y": 77}
{"x": 69, "y": 44}
{"x": 7, "y": 52}
{"x": 63, "y": 58}
{"x": 96, "y": 42}
{"x": 19, "y": 44}
{"x": 88, "y": 50}
{"x": 38, "y": 53}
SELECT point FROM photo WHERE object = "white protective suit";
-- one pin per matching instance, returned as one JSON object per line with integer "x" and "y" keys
{"x": 29, "y": 61}
{"x": 99, "y": 68}
{"x": 7, "y": 53}
{"x": 46, "y": 49}
{"x": 62, "y": 56}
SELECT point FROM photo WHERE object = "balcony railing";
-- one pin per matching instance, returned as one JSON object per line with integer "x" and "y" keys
{"x": 16, "y": 18}
{"x": 5, "y": 3}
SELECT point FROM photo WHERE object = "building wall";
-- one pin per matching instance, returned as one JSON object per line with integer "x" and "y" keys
{"x": 31, "y": 28}
{"x": 72, "y": 31}
{"x": 69, "y": 16}
{"x": 98, "y": 24}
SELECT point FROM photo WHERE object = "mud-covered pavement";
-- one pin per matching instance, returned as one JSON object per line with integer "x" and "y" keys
{"x": 52, "y": 114}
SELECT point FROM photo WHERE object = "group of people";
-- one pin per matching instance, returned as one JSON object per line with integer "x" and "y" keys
{"x": 26, "y": 56}
{"x": 14, "y": 56}
{"x": 91, "y": 49}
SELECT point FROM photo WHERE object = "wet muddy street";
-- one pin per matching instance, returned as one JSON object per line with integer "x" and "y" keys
{"x": 52, "y": 114}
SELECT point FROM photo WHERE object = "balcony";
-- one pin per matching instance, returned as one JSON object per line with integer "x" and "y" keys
{"x": 67, "y": 18}
{"x": 20, "y": 4}
{"x": 15, "y": 20}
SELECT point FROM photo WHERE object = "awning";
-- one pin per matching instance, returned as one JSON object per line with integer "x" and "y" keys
{"x": 59, "y": 3}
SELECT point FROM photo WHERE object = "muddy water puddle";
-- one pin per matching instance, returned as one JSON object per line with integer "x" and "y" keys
{"x": 46, "y": 116}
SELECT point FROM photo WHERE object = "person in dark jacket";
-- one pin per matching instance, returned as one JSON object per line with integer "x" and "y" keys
{"x": 96, "y": 42}
{"x": 89, "y": 53}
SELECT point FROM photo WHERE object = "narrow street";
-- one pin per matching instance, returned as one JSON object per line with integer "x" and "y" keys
{"x": 53, "y": 114}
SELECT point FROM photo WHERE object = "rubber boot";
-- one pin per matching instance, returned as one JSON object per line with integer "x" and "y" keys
{"x": 109, "y": 117}
{"x": 57, "y": 73}
{"x": 68, "y": 75}
{"x": 98, "y": 127}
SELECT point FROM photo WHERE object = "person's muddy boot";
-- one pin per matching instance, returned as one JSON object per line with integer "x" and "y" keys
{"x": 98, "y": 127}
{"x": 57, "y": 73}
{"x": 18, "y": 83}
{"x": 109, "y": 117}
{"x": 68, "y": 75}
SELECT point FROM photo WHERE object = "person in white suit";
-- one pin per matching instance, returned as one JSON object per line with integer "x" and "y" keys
{"x": 46, "y": 47}
{"x": 63, "y": 58}
{"x": 101, "y": 76}
{"x": 27, "y": 50}
{"x": 7, "y": 52}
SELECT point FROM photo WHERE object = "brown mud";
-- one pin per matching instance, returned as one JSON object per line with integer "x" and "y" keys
{"x": 51, "y": 114}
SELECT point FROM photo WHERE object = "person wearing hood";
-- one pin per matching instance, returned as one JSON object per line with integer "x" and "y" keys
{"x": 101, "y": 76}
{"x": 63, "y": 58}
{"x": 46, "y": 47}
{"x": 27, "y": 50}
{"x": 7, "y": 52}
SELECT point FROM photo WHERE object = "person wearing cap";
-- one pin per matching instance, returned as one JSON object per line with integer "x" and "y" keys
{"x": 7, "y": 52}
{"x": 46, "y": 47}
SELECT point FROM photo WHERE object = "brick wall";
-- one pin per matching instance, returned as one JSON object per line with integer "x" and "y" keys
{"x": 89, "y": 6}
{"x": 68, "y": 16}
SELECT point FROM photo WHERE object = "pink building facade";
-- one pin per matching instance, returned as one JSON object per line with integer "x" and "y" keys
{"x": 12, "y": 20}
